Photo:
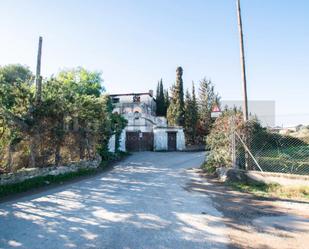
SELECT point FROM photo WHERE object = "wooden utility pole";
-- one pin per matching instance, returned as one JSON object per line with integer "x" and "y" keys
{"x": 38, "y": 78}
{"x": 243, "y": 64}
{"x": 35, "y": 134}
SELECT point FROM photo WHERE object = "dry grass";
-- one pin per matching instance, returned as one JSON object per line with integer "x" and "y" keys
{"x": 273, "y": 190}
{"x": 292, "y": 192}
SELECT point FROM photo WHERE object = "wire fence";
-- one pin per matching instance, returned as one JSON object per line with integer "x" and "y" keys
{"x": 273, "y": 150}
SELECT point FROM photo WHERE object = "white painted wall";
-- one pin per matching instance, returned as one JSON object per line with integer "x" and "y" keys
{"x": 129, "y": 98}
{"x": 143, "y": 122}
{"x": 122, "y": 141}
{"x": 111, "y": 144}
{"x": 161, "y": 138}
{"x": 181, "y": 142}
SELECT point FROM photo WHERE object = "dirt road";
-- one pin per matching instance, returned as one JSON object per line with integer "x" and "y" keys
{"x": 152, "y": 200}
{"x": 256, "y": 222}
{"x": 141, "y": 203}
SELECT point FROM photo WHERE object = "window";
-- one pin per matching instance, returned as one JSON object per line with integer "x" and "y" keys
{"x": 115, "y": 100}
{"x": 136, "y": 99}
{"x": 136, "y": 115}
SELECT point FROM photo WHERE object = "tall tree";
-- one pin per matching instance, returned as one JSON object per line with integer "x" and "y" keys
{"x": 15, "y": 81}
{"x": 171, "y": 111}
{"x": 161, "y": 93}
{"x": 194, "y": 114}
{"x": 166, "y": 101}
{"x": 179, "y": 87}
{"x": 188, "y": 117}
{"x": 175, "y": 113}
{"x": 160, "y": 99}
{"x": 191, "y": 116}
{"x": 71, "y": 114}
{"x": 15, "y": 98}
{"x": 208, "y": 98}
{"x": 158, "y": 91}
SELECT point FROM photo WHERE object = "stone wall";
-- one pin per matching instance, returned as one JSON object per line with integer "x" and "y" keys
{"x": 28, "y": 173}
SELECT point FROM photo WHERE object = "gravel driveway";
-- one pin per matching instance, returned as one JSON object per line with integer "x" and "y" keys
{"x": 141, "y": 203}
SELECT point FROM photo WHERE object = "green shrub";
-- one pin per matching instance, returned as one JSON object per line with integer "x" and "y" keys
{"x": 219, "y": 139}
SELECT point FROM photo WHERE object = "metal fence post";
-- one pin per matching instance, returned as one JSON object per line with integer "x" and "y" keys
{"x": 233, "y": 142}
{"x": 234, "y": 150}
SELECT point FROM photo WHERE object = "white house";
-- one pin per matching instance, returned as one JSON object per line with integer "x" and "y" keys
{"x": 145, "y": 131}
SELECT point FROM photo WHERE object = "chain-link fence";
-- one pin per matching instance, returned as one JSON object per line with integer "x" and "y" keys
{"x": 272, "y": 150}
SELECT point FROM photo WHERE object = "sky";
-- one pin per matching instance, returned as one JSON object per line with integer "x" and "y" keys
{"x": 134, "y": 43}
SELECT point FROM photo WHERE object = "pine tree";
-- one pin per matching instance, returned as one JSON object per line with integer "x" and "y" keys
{"x": 166, "y": 102}
{"x": 194, "y": 114}
{"x": 207, "y": 99}
{"x": 175, "y": 113}
{"x": 191, "y": 116}
{"x": 172, "y": 109}
{"x": 158, "y": 99}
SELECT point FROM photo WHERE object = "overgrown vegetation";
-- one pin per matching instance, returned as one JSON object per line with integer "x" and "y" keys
{"x": 219, "y": 140}
{"x": 71, "y": 120}
{"x": 273, "y": 152}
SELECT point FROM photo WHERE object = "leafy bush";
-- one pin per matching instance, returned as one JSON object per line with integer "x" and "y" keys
{"x": 219, "y": 139}
{"x": 273, "y": 152}
{"x": 72, "y": 121}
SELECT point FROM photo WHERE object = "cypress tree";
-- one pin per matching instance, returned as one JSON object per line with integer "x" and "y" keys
{"x": 188, "y": 118}
{"x": 166, "y": 102}
{"x": 160, "y": 99}
{"x": 179, "y": 86}
{"x": 175, "y": 113}
{"x": 157, "y": 91}
{"x": 194, "y": 114}
{"x": 161, "y": 92}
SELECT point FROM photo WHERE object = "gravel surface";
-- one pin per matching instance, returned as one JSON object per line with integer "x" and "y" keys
{"x": 257, "y": 222}
{"x": 142, "y": 202}
{"x": 152, "y": 200}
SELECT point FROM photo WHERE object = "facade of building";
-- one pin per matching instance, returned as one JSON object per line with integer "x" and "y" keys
{"x": 145, "y": 131}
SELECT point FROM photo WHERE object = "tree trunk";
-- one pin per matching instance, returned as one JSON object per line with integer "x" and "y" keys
{"x": 10, "y": 152}
{"x": 34, "y": 140}
{"x": 88, "y": 147}
{"x": 57, "y": 153}
{"x": 81, "y": 147}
